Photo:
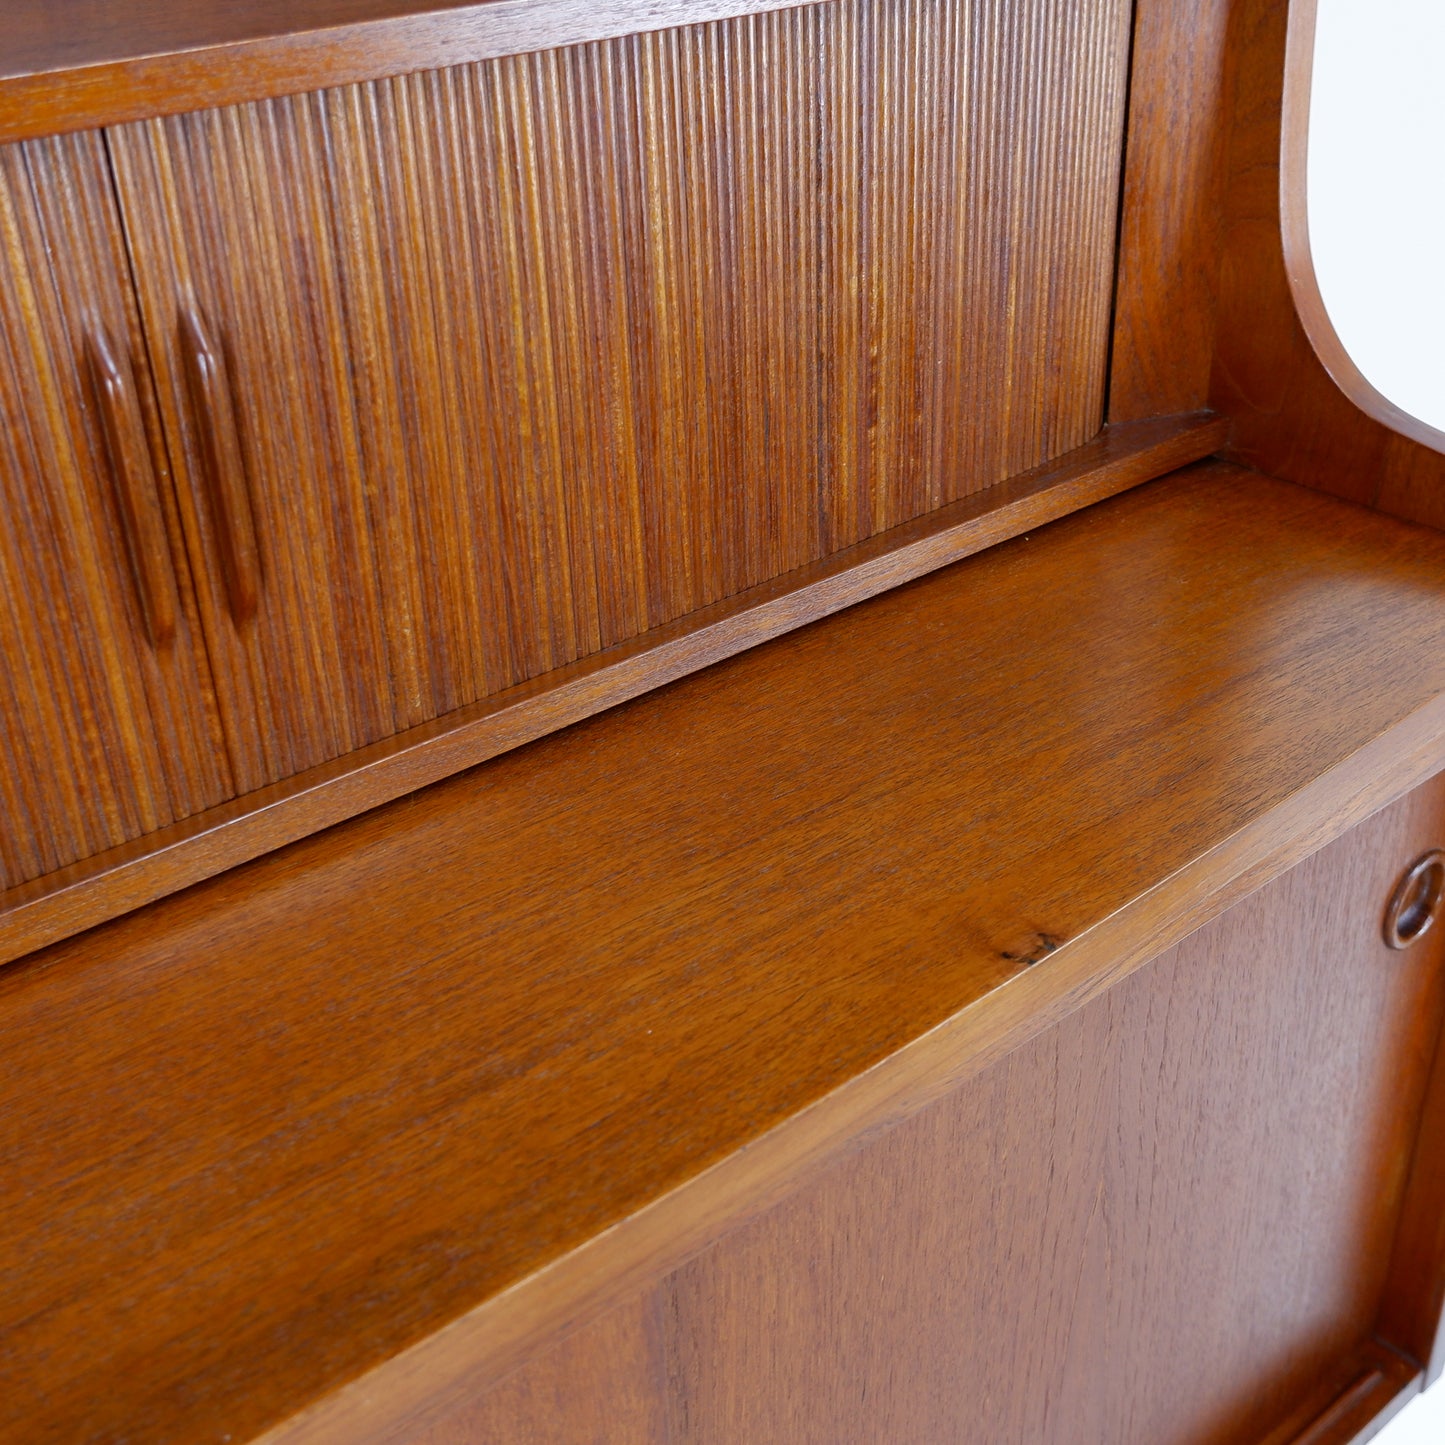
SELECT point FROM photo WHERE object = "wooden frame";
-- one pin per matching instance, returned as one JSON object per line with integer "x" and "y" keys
{"x": 1247, "y": 759}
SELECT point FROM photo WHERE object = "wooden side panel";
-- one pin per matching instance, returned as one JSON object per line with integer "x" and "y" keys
{"x": 1162, "y": 1222}
{"x": 1170, "y": 235}
{"x": 1290, "y": 419}
{"x": 534, "y": 355}
{"x": 102, "y": 736}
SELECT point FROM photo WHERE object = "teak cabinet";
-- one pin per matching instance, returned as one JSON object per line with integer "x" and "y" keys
{"x": 709, "y": 723}
{"x": 433, "y": 439}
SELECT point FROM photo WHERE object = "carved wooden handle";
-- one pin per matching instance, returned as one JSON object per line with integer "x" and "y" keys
{"x": 225, "y": 473}
{"x": 135, "y": 484}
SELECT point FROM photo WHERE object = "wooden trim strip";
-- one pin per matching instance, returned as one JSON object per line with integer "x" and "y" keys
{"x": 1412, "y": 1317}
{"x": 1371, "y": 1387}
{"x": 64, "y": 75}
{"x": 63, "y": 903}
{"x": 394, "y": 1402}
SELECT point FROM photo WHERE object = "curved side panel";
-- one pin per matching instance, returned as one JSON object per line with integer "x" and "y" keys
{"x": 1295, "y": 232}
{"x": 1291, "y": 415}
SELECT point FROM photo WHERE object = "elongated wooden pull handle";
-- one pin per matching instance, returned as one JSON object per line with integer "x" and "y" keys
{"x": 225, "y": 472}
{"x": 135, "y": 484}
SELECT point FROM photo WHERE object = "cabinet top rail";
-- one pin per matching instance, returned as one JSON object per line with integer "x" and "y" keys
{"x": 87, "y": 63}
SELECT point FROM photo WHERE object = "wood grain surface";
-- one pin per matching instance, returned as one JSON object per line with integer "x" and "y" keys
{"x": 103, "y": 735}
{"x": 96, "y": 62}
{"x": 1291, "y": 418}
{"x": 375, "y": 1082}
{"x": 108, "y": 883}
{"x": 1414, "y": 1316}
{"x": 533, "y": 355}
{"x": 1171, "y": 226}
{"x": 1119, "y": 1235}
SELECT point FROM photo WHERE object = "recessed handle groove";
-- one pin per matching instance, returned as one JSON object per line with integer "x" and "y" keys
{"x": 224, "y": 470}
{"x": 1416, "y": 901}
{"x": 135, "y": 482}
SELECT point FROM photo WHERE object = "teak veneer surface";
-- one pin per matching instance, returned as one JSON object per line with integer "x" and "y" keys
{"x": 102, "y": 736}
{"x": 1170, "y": 233}
{"x": 108, "y": 883}
{"x": 97, "y": 62}
{"x": 1007, "y": 1266}
{"x": 531, "y": 356}
{"x": 265, "y": 1134}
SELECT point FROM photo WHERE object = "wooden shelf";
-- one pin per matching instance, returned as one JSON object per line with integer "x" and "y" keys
{"x": 409, "y": 1092}
{"x": 78, "y": 896}
{"x": 89, "y": 63}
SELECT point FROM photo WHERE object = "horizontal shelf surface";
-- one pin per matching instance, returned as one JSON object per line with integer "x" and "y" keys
{"x": 486, "y": 1056}
{"x": 76, "y": 897}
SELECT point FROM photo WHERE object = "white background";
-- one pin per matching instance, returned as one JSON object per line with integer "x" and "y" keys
{"x": 1421, "y": 1422}
{"x": 1376, "y": 193}
{"x": 1377, "y": 231}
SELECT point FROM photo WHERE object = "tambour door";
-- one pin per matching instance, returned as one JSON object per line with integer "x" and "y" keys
{"x": 107, "y": 726}
{"x": 473, "y": 372}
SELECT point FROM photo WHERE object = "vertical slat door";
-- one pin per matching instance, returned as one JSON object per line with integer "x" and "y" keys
{"x": 107, "y": 724}
{"x": 529, "y": 356}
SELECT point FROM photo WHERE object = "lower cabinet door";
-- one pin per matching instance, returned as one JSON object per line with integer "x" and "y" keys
{"x": 107, "y": 727}
{"x": 1173, "y": 1219}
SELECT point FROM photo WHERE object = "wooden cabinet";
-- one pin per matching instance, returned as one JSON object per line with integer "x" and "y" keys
{"x": 469, "y": 374}
{"x": 517, "y": 923}
{"x": 107, "y": 724}
{"x": 853, "y": 1013}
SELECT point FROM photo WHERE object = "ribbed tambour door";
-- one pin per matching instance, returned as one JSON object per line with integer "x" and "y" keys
{"x": 107, "y": 727}
{"x": 529, "y": 356}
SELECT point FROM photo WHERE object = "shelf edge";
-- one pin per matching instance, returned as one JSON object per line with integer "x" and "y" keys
{"x": 59, "y": 904}
{"x": 394, "y": 1400}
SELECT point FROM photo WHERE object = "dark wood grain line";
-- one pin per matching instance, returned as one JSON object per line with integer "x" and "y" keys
{"x": 122, "y": 878}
